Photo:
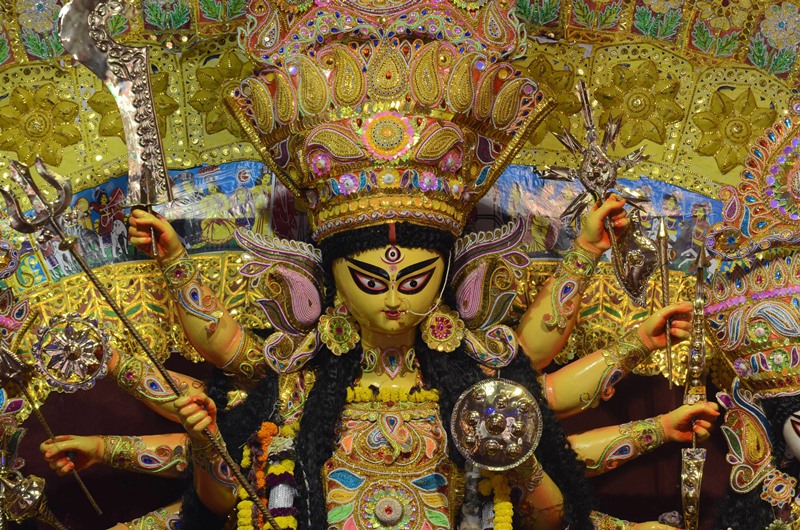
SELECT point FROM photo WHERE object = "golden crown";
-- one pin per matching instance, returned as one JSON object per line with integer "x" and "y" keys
{"x": 753, "y": 311}
{"x": 379, "y": 111}
{"x": 754, "y": 317}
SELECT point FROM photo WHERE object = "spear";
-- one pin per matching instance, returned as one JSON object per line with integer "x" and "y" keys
{"x": 663, "y": 258}
{"x": 693, "y": 458}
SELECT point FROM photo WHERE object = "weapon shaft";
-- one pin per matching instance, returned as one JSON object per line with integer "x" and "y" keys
{"x": 663, "y": 254}
{"x": 69, "y": 244}
{"x": 52, "y": 436}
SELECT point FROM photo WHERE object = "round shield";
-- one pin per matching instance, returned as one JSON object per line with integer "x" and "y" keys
{"x": 496, "y": 424}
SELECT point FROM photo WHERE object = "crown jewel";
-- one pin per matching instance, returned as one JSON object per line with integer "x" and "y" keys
{"x": 371, "y": 112}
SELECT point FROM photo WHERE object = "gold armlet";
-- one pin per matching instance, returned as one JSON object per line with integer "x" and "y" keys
{"x": 248, "y": 363}
{"x": 121, "y": 452}
{"x": 569, "y": 279}
{"x": 627, "y": 353}
{"x": 178, "y": 271}
{"x": 204, "y": 456}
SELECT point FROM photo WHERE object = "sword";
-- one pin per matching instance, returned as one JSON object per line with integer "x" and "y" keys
{"x": 125, "y": 71}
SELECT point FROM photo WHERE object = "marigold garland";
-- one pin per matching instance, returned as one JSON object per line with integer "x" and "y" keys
{"x": 360, "y": 394}
{"x": 275, "y": 472}
{"x": 503, "y": 509}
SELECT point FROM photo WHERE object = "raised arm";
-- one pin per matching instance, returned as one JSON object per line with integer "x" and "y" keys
{"x": 608, "y": 447}
{"x": 550, "y": 317}
{"x": 207, "y": 324}
{"x": 583, "y": 383}
{"x": 160, "y": 454}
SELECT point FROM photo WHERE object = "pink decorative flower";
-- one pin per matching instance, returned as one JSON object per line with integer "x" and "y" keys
{"x": 320, "y": 163}
{"x": 428, "y": 181}
{"x": 348, "y": 183}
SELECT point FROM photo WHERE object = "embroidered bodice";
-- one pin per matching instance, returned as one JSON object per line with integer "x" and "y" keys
{"x": 390, "y": 469}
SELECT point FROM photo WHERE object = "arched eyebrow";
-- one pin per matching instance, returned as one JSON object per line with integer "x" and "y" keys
{"x": 377, "y": 271}
{"x": 415, "y": 267}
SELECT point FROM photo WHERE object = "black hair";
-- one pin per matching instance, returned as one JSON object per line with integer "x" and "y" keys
{"x": 449, "y": 373}
{"x": 748, "y": 511}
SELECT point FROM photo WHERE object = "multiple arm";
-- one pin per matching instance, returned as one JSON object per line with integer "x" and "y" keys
{"x": 606, "y": 448}
{"x": 583, "y": 383}
{"x": 550, "y": 317}
{"x": 160, "y": 454}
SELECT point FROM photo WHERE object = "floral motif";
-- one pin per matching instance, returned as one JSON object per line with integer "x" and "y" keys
{"x": 348, "y": 183}
{"x": 38, "y": 123}
{"x": 320, "y": 163}
{"x": 723, "y": 16}
{"x": 758, "y": 332}
{"x": 730, "y": 126}
{"x": 644, "y": 101}
{"x": 662, "y": 6}
{"x": 215, "y": 82}
{"x": 561, "y": 83}
{"x": 39, "y": 16}
{"x": 781, "y": 26}
{"x": 428, "y": 181}
{"x": 451, "y": 161}
{"x": 111, "y": 122}
{"x": 388, "y": 135}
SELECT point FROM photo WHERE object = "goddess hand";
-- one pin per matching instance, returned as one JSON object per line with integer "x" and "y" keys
{"x": 594, "y": 235}
{"x": 70, "y": 452}
{"x": 196, "y": 413}
{"x": 653, "y": 525}
{"x": 169, "y": 246}
{"x": 687, "y": 419}
{"x": 653, "y": 331}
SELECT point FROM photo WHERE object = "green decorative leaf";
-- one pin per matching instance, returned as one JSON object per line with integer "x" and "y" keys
{"x": 212, "y": 10}
{"x": 726, "y": 44}
{"x": 783, "y": 61}
{"x": 179, "y": 16}
{"x": 235, "y": 9}
{"x": 668, "y": 26}
{"x": 583, "y": 15}
{"x": 340, "y": 513}
{"x": 734, "y": 443}
{"x": 644, "y": 22}
{"x": 131, "y": 311}
{"x": 157, "y": 309}
{"x": 525, "y": 10}
{"x": 437, "y": 518}
{"x": 5, "y": 51}
{"x": 35, "y": 44}
{"x": 758, "y": 54}
{"x": 117, "y": 25}
{"x": 54, "y": 42}
{"x": 609, "y": 16}
{"x": 702, "y": 37}
{"x": 153, "y": 14}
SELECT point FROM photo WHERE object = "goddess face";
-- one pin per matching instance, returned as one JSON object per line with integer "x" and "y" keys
{"x": 791, "y": 433}
{"x": 388, "y": 290}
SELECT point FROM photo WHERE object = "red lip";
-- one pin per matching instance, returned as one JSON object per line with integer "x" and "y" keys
{"x": 392, "y": 314}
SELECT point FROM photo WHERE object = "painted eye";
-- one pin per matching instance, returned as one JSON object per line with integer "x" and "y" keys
{"x": 392, "y": 255}
{"x": 416, "y": 283}
{"x": 368, "y": 284}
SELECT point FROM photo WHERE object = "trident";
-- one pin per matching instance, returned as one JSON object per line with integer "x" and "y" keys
{"x": 46, "y": 219}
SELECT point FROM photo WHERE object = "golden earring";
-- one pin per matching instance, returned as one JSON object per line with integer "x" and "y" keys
{"x": 338, "y": 331}
{"x": 442, "y": 330}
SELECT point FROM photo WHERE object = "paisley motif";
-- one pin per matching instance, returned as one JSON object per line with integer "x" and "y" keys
{"x": 389, "y": 469}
